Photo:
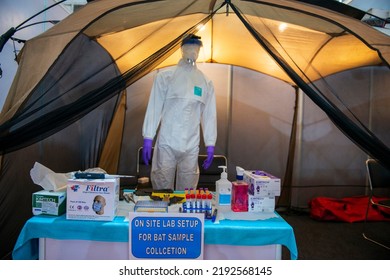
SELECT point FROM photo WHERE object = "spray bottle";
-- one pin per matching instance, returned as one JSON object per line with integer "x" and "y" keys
{"x": 223, "y": 188}
{"x": 239, "y": 192}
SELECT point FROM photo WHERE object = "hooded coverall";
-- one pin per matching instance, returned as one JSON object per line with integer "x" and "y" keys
{"x": 182, "y": 99}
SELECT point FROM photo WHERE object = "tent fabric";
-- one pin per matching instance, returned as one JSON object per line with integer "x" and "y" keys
{"x": 319, "y": 30}
{"x": 53, "y": 98}
{"x": 109, "y": 159}
{"x": 73, "y": 78}
{"x": 160, "y": 34}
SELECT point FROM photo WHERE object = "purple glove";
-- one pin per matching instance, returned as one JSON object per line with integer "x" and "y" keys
{"x": 210, "y": 156}
{"x": 147, "y": 150}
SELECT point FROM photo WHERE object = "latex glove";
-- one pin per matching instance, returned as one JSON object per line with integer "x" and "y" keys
{"x": 210, "y": 156}
{"x": 147, "y": 150}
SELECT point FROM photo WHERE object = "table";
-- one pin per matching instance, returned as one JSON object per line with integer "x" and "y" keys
{"x": 45, "y": 237}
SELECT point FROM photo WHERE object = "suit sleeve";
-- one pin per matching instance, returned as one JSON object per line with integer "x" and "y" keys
{"x": 155, "y": 107}
{"x": 209, "y": 117}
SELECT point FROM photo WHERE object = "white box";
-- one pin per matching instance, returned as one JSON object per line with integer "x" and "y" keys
{"x": 261, "y": 204}
{"x": 262, "y": 184}
{"x": 92, "y": 199}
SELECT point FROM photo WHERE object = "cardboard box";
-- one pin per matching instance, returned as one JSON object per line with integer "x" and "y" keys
{"x": 48, "y": 203}
{"x": 92, "y": 199}
{"x": 262, "y": 184}
{"x": 261, "y": 204}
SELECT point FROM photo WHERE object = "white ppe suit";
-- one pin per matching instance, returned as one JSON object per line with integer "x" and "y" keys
{"x": 182, "y": 99}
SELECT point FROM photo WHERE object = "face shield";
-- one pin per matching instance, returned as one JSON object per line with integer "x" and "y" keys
{"x": 190, "y": 52}
{"x": 190, "y": 47}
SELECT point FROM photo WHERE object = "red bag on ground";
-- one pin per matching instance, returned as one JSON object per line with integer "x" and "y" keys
{"x": 349, "y": 209}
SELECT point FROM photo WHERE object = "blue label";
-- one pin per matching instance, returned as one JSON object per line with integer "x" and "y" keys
{"x": 166, "y": 237}
{"x": 197, "y": 91}
{"x": 224, "y": 199}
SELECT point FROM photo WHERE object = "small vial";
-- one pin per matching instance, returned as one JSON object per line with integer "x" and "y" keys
{"x": 204, "y": 202}
{"x": 193, "y": 201}
{"x": 198, "y": 206}
{"x": 187, "y": 204}
{"x": 208, "y": 204}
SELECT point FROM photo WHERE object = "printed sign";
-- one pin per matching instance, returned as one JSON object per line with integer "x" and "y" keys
{"x": 166, "y": 236}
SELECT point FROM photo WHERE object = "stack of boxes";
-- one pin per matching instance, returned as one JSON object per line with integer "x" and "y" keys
{"x": 263, "y": 188}
{"x": 84, "y": 199}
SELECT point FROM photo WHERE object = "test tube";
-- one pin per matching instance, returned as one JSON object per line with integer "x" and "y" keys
{"x": 192, "y": 200}
{"x": 187, "y": 203}
{"x": 209, "y": 203}
{"x": 204, "y": 202}
{"x": 198, "y": 206}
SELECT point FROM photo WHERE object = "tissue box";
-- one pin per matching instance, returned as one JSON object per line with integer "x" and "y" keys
{"x": 261, "y": 204}
{"x": 48, "y": 203}
{"x": 262, "y": 184}
{"x": 92, "y": 199}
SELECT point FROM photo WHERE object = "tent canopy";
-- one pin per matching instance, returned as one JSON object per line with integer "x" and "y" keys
{"x": 122, "y": 41}
{"x": 314, "y": 41}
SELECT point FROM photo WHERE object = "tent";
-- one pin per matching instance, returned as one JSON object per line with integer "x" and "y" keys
{"x": 80, "y": 92}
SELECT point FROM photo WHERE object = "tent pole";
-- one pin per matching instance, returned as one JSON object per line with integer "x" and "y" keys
{"x": 229, "y": 109}
{"x": 285, "y": 197}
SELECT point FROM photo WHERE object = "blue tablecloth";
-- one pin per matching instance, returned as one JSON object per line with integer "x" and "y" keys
{"x": 226, "y": 232}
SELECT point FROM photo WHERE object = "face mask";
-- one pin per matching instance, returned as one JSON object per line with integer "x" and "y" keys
{"x": 190, "y": 52}
{"x": 97, "y": 206}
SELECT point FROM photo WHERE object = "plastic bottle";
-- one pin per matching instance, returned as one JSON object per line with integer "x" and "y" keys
{"x": 223, "y": 188}
{"x": 239, "y": 201}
